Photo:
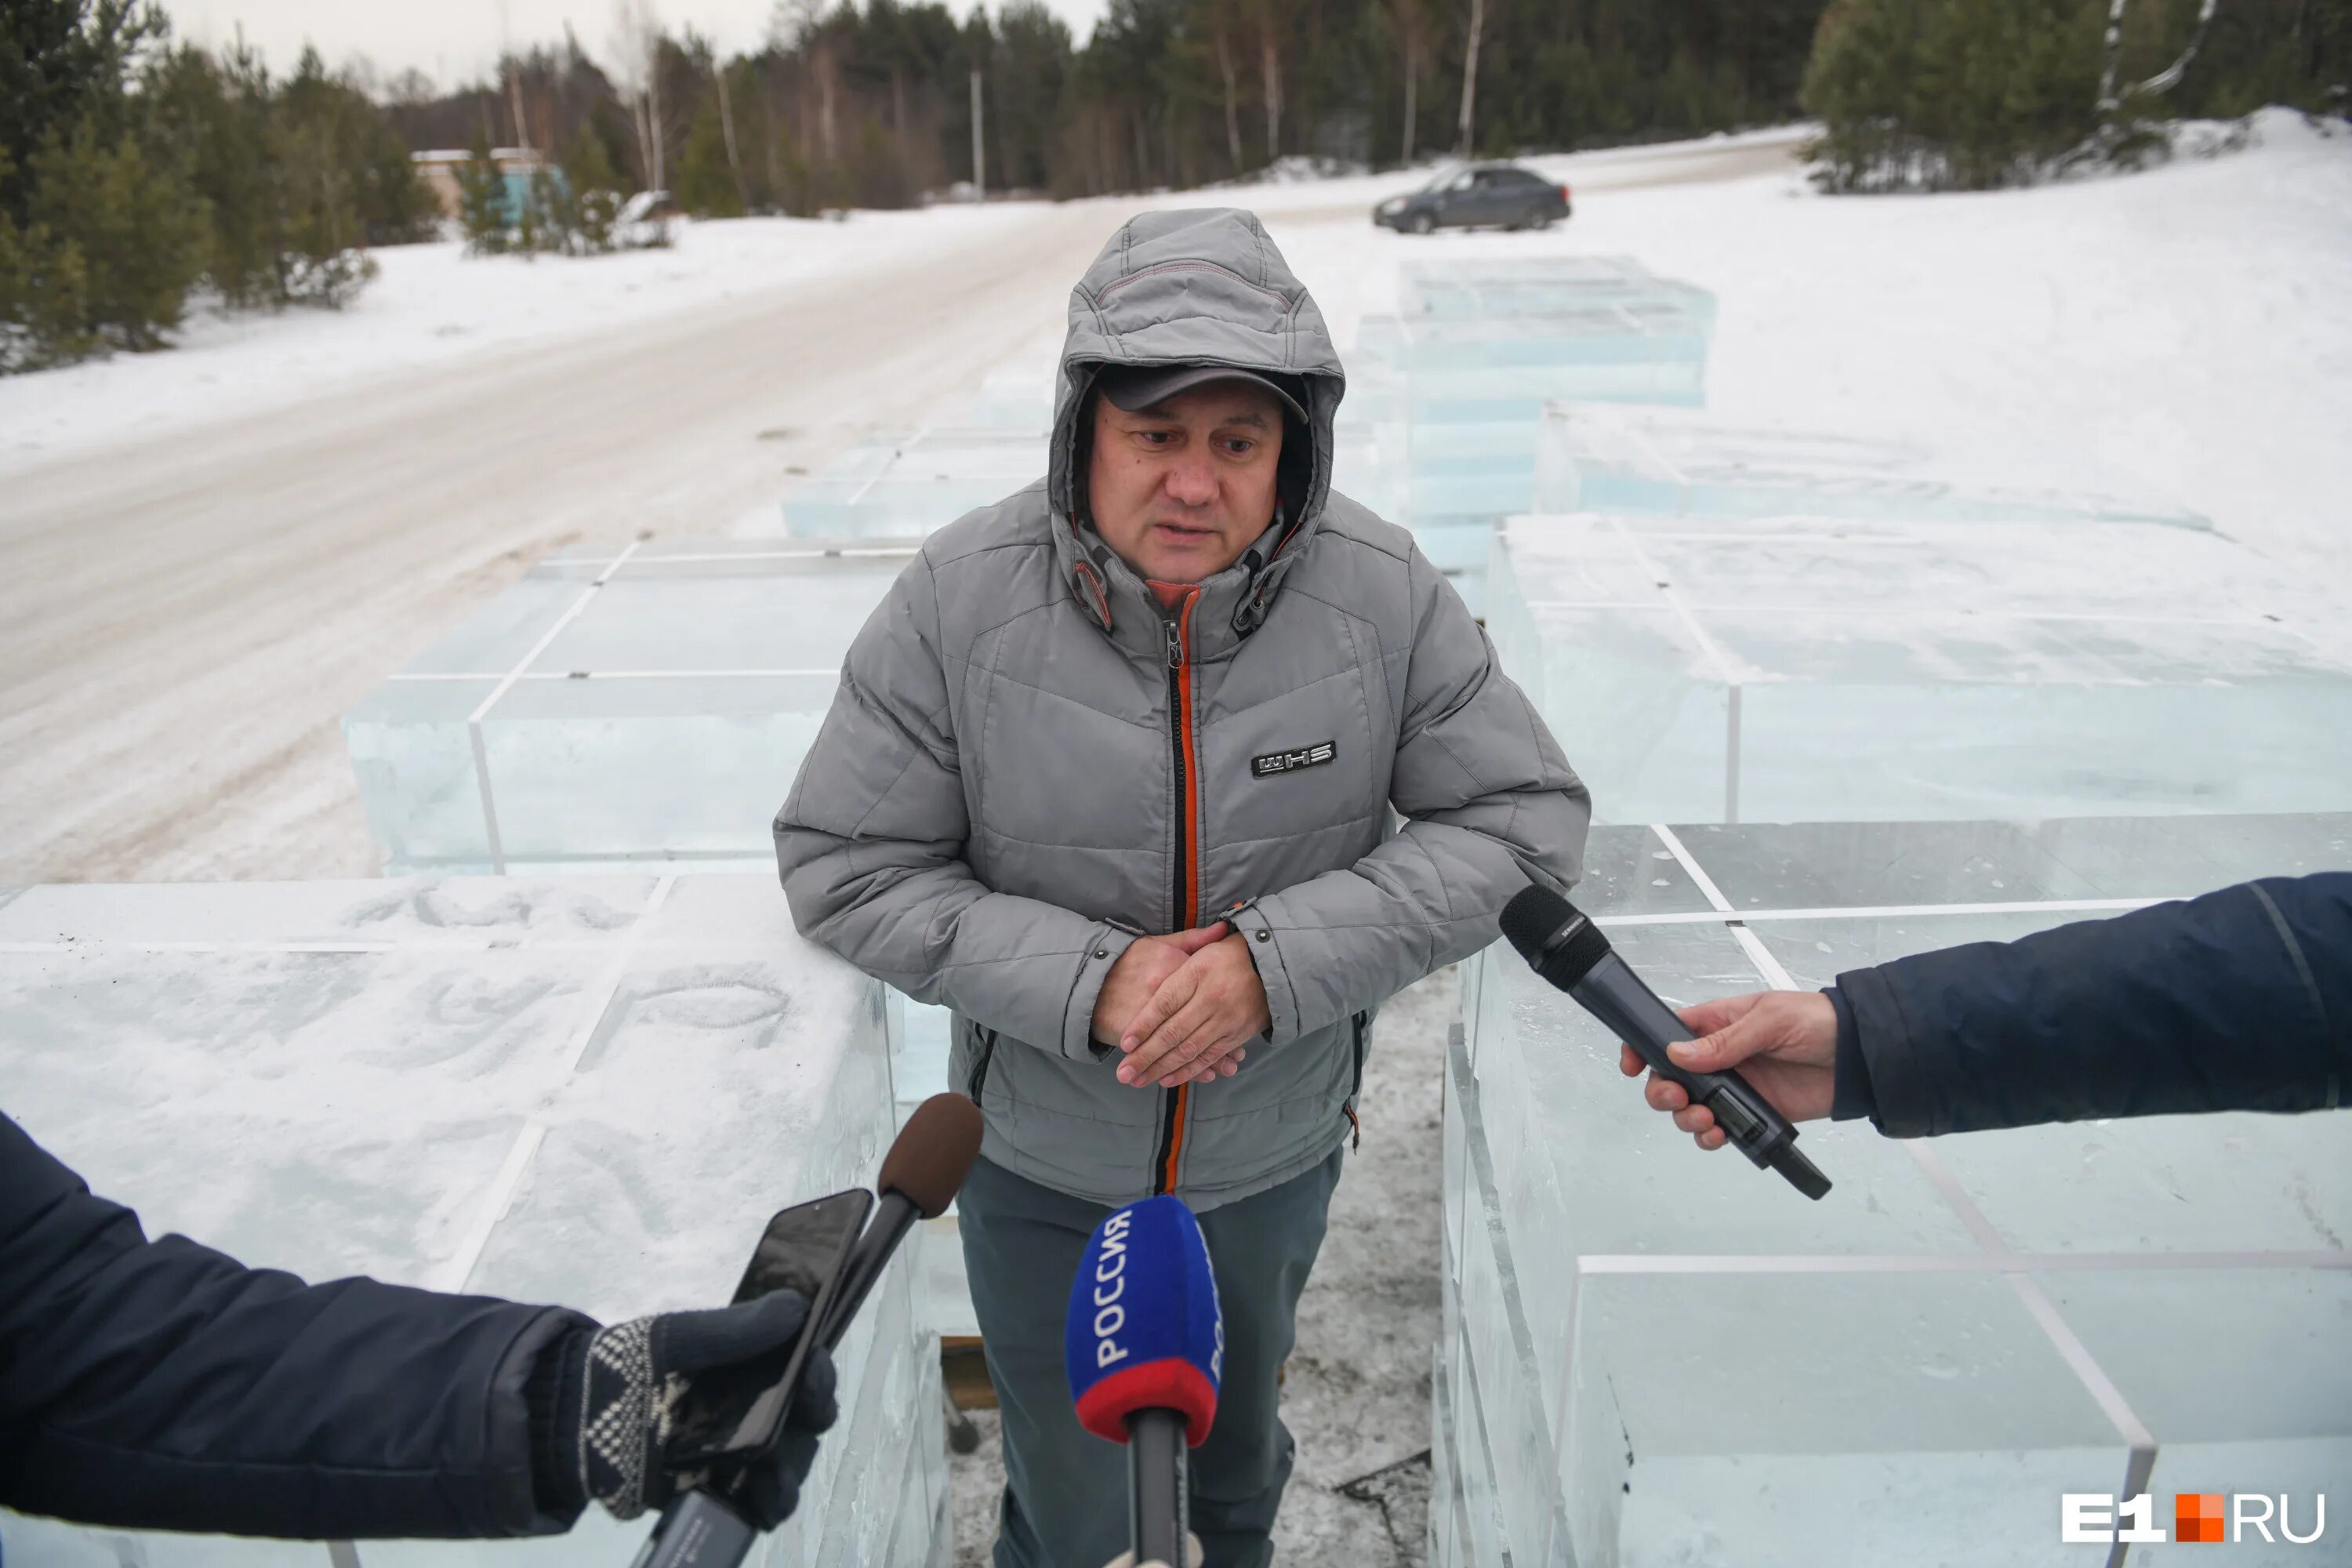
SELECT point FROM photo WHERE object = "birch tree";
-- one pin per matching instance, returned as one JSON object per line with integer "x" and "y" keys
{"x": 1470, "y": 73}
{"x": 636, "y": 73}
{"x": 1223, "y": 27}
{"x": 1410, "y": 26}
{"x": 2162, "y": 81}
{"x": 1270, "y": 76}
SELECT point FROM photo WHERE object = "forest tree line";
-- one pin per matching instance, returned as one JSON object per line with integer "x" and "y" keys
{"x": 872, "y": 105}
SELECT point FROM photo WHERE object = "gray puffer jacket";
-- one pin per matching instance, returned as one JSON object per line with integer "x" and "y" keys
{"x": 1030, "y": 762}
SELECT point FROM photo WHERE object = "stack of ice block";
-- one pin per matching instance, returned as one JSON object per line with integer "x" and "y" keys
{"x": 1016, "y": 397}
{"x": 1365, "y": 469}
{"x": 645, "y": 703}
{"x": 1476, "y": 387}
{"x": 591, "y": 1090}
{"x": 1795, "y": 668}
{"x": 1531, "y": 286}
{"x": 1655, "y": 1356}
{"x": 919, "y": 1041}
{"x": 907, "y": 484}
{"x": 1595, "y": 456}
{"x": 1476, "y": 350}
{"x": 619, "y": 705}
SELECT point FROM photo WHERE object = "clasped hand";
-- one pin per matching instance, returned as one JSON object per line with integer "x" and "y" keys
{"x": 1183, "y": 1007}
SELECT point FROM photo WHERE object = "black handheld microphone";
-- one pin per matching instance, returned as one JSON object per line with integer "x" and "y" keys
{"x": 1569, "y": 951}
{"x": 921, "y": 1176}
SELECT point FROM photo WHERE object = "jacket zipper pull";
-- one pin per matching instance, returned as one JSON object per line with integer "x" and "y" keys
{"x": 1175, "y": 643}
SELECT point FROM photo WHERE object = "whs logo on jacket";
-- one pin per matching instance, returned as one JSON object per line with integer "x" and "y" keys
{"x": 1274, "y": 762}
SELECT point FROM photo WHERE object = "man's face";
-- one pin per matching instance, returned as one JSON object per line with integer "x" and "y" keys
{"x": 1181, "y": 489}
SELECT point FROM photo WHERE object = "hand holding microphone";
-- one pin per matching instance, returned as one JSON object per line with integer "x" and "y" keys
{"x": 1145, "y": 1350}
{"x": 1569, "y": 951}
{"x": 1783, "y": 1042}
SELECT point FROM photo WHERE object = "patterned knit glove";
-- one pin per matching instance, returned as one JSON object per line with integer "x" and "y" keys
{"x": 621, "y": 1389}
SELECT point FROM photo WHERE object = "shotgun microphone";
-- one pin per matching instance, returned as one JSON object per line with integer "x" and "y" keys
{"x": 1145, "y": 1348}
{"x": 921, "y": 1176}
{"x": 1569, "y": 951}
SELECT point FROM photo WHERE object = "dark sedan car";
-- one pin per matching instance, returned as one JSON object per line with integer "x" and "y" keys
{"x": 1485, "y": 195}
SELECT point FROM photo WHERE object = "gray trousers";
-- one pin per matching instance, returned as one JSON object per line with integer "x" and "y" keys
{"x": 1065, "y": 1501}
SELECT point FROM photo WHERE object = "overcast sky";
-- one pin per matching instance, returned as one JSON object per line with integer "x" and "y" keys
{"x": 456, "y": 41}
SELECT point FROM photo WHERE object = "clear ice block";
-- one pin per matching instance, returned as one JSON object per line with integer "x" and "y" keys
{"x": 591, "y": 1090}
{"x": 1368, "y": 467}
{"x": 27, "y": 1542}
{"x": 1650, "y": 349}
{"x": 1484, "y": 1532}
{"x": 2265, "y": 1407}
{"x": 642, "y": 704}
{"x": 2219, "y": 1183}
{"x": 904, "y": 485}
{"x": 1456, "y": 381}
{"x": 1448, "y": 1521}
{"x": 1724, "y": 1372}
{"x": 1958, "y": 1404}
{"x": 1598, "y": 456}
{"x": 1812, "y": 1420}
{"x": 1497, "y": 1344}
{"x": 1532, "y": 286}
{"x": 1017, "y": 397}
{"x": 1842, "y": 669}
{"x": 920, "y": 1041}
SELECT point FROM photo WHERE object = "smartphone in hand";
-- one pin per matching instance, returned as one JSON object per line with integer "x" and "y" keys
{"x": 802, "y": 1249}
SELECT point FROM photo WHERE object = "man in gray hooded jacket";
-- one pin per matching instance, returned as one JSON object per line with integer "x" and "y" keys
{"x": 1115, "y": 774}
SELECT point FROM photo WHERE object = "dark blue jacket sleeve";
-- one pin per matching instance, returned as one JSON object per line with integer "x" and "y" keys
{"x": 2241, "y": 1000}
{"x": 158, "y": 1384}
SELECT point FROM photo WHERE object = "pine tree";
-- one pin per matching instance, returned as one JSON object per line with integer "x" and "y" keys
{"x": 140, "y": 234}
{"x": 482, "y": 201}
{"x": 595, "y": 198}
{"x": 316, "y": 143}
{"x": 214, "y": 118}
{"x": 1864, "y": 61}
{"x": 63, "y": 62}
{"x": 1941, "y": 94}
{"x": 41, "y": 284}
{"x": 706, "y": 182}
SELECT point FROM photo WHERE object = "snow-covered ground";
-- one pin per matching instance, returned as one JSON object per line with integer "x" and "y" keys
{"x": 2179, "y": 335}
{"x": 433, "y": 305}
{"x": 2182, "y": 336}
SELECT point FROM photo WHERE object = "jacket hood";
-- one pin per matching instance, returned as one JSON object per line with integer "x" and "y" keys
{"x": 1199, "y": 287}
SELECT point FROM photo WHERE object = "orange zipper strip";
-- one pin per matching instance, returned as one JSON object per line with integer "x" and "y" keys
{"x": 1191, "y": 912}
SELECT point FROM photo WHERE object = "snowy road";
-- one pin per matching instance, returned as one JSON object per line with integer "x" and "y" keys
{"x": 187, "y": 613}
